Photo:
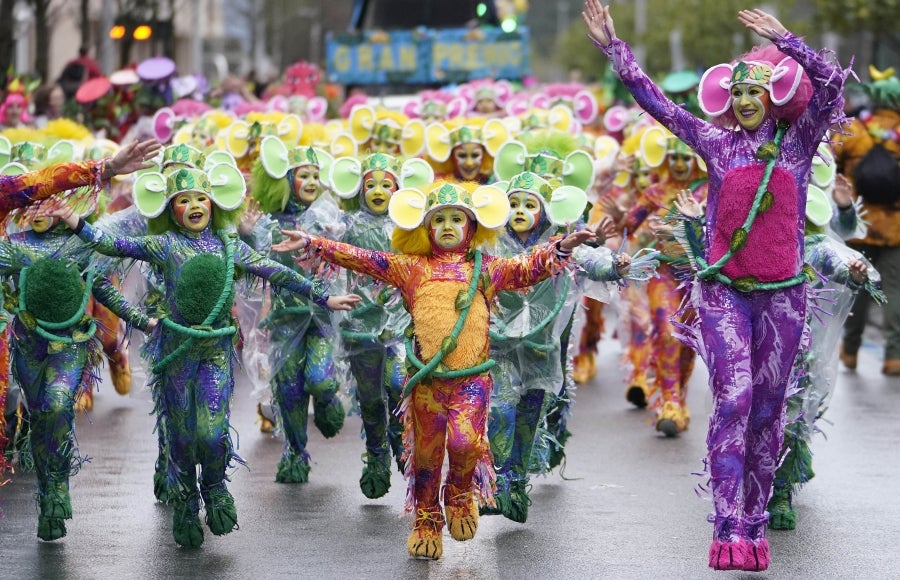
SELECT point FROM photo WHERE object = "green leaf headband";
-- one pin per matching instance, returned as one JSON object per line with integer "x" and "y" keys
{"x": 223, "y": 183}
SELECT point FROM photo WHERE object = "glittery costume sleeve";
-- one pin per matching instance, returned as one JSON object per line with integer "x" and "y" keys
{"x": 383, "y": 266}
{"x": 153, "y": 249}
{"x": 699, "y": 135}
{"x": 19, "y": 190}
{"x": 109, "y": 296}
{"x": 526, "y": 270}
{"x": 279, "y": 275}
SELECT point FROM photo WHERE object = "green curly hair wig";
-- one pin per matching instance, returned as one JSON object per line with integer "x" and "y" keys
{"x": 551, "y": 141}
{"x": 272, "y": 194}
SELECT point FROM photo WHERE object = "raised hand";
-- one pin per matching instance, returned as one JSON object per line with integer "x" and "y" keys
{"x": 762, "y": 23}
{"x": 599, "y": 22}
{"x": 344, "y": 302}
{"x": 296, "y": 240}
{"x": 687, "y": 205}
{"x": 132, "y": 157}
{"x": 605, "y": 229}
{"x": 575, "y": 239}
{"x": 58, "y": 208}
{"x": 623, "y": 263}
{"x": 249, "y": 218}
{"x": 842, "y": 192}
{"x": 859, "y": 272}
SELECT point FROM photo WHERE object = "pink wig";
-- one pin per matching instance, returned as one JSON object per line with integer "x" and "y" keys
{"x": 14, "y": 98}
{"x": 791, "y": 110}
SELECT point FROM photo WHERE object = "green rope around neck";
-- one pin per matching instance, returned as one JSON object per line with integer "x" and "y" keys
{"x": 203, "y": 330}
{"x": 449, "y": 344}
{"x": 762, "y": 201}
{"x": 43, "y": 327}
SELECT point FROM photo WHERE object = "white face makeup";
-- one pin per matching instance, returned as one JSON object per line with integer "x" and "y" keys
{"x": 449, "y": 227}
{"x": 525, "y": 211}
{"x": 750, "y": 104}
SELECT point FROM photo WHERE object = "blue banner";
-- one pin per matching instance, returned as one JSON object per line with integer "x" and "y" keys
{"x": 426, "y": 56}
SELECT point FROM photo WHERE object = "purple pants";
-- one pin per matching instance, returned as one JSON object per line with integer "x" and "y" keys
{"x": 750, "y": 341}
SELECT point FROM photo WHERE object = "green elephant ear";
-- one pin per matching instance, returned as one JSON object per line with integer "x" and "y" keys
{"x": 578, "y": 170}
{"x": 5, "y": 150}
{"x": 566, "y": 205}
{"x": 274, "y": 156}
{"x": 416, "y": 173}
{"x": 217, "y": 157}
{"x": 824, "y": 168}
{"x": 818, "y": 206}
{"x": 228, "y": 186}
{"x": 13, "y": 169}
{"x": 510, "y": 160}
{"x": 61, "y": 152}
{"x": 345, "y": 176}
{"x": 149, "y": 194}
{"x": 325, "y": 162}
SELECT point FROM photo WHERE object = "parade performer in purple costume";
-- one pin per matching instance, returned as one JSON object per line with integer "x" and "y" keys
{"x": 192, "y": 350}
{"x": 772, "y": 108}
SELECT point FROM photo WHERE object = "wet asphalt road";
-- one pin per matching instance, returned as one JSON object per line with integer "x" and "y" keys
{"x": 625, "y": 508}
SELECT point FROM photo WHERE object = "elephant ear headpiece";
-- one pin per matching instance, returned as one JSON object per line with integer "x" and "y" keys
{"x": 223, "y": 183}
{"x": 411, "y": 207}
{"x": 347, "y": 172}
{"x": 563, "y": 205}
{"x": 781, "y": 81}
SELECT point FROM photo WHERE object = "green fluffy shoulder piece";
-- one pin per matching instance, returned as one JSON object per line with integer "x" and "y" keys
{"x": 199, "y": 287}
{"x": 53, "y": 289}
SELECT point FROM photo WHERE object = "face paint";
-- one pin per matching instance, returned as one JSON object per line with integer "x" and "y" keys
{"x": 378, "y": 187}
{"x": 485, "y": 106}
{"x": 642, "y": 176}
{"x": 192, "y": 210}
{"x": 449, "y": 227}
{"x": 306, "y": 184}
{"x": 40, "y": 224}
{"x": 467, "y": 160}
{"x": 750, "y": 104}
{"x": 525, "y": 211}
{"x": 681, "y": 164}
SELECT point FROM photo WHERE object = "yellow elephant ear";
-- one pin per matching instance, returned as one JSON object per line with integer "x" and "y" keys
{"x": 567, "y": 204}
{"x": 273, "y": 154}
{"x": 491, "y": 206}
{"x": 13, "y": 169}
{"x": 653, "y": 145}
{"x": 361, "y": 122}
{"x": 325, "y": 162}
{"x": 149, "y": 194}
{"x": 228, "y": 186}
{"x": 622, "y": 179}
{"x": 495, "y": 134}
{"x": 289, "y": 130}
{"x": 437, "y": 142}
{"x": 237, "y": 139}
{"x": 346, "y": 176}
{"x": 823, "y": 167}
{"x": 578, "y": 170}
{"x": 701, "y": 163}
{"x": 606, "y": 149}
{"x": 818, "y": 206}
{"x": 416, "y": 173}
{"x": 217, "y": 157}
{"x": 62, "y": 151}
{"x": 343, "y": 145}
{"x": 561, "y": 118}
{"x": 412, "y": 141}
{"x": 407, "y": 208}
{"x": 5, "y": 150}
{"x": 510, "y": 160}
{"x": 183, "y": 134}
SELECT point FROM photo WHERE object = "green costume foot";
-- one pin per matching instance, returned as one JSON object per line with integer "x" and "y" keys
{"x": 56, "y": 503}
{"x": 50, "y": 529}
{"x": 186, "y": 528}
{"x": 292, "y": 469}
{"x": 376, "y": 475}
{"x": 221, "y": 515}
{"x": 501, "y": 495}
{"x": 161, "y": 487}
{"x": 514, "y": 506}
{"x": 328, "y": 416}
{"x": 781, "y": 515}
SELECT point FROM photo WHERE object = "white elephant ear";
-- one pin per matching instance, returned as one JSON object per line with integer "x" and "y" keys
{"x": 149, "y": 194}
{"x": 5, "y": 150}
{"x": 345, "y": 177}
{"x": 412, "y": 140}
{"x": 437, "y": 142}
{"x": 407, "y": 208}
{"x": 343, "y": 145}
{"x": 578, "y": 169}
{"x": 325, "y": 162}
{"x": 416, "y": 173}
{"x": 61, "y": 152}
{"x": 273, "y": 154}
{"x": 13, "y": 169}
{"x": 491, "y": 206}
{"x": 217, "y": 157}
{"x": 567, "y": 204}
{"x": 228, "y": 186}
{"x": 510, "y": 160}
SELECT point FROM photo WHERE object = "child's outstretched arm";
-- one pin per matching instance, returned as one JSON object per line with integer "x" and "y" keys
{"x": 527, "y": 270}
